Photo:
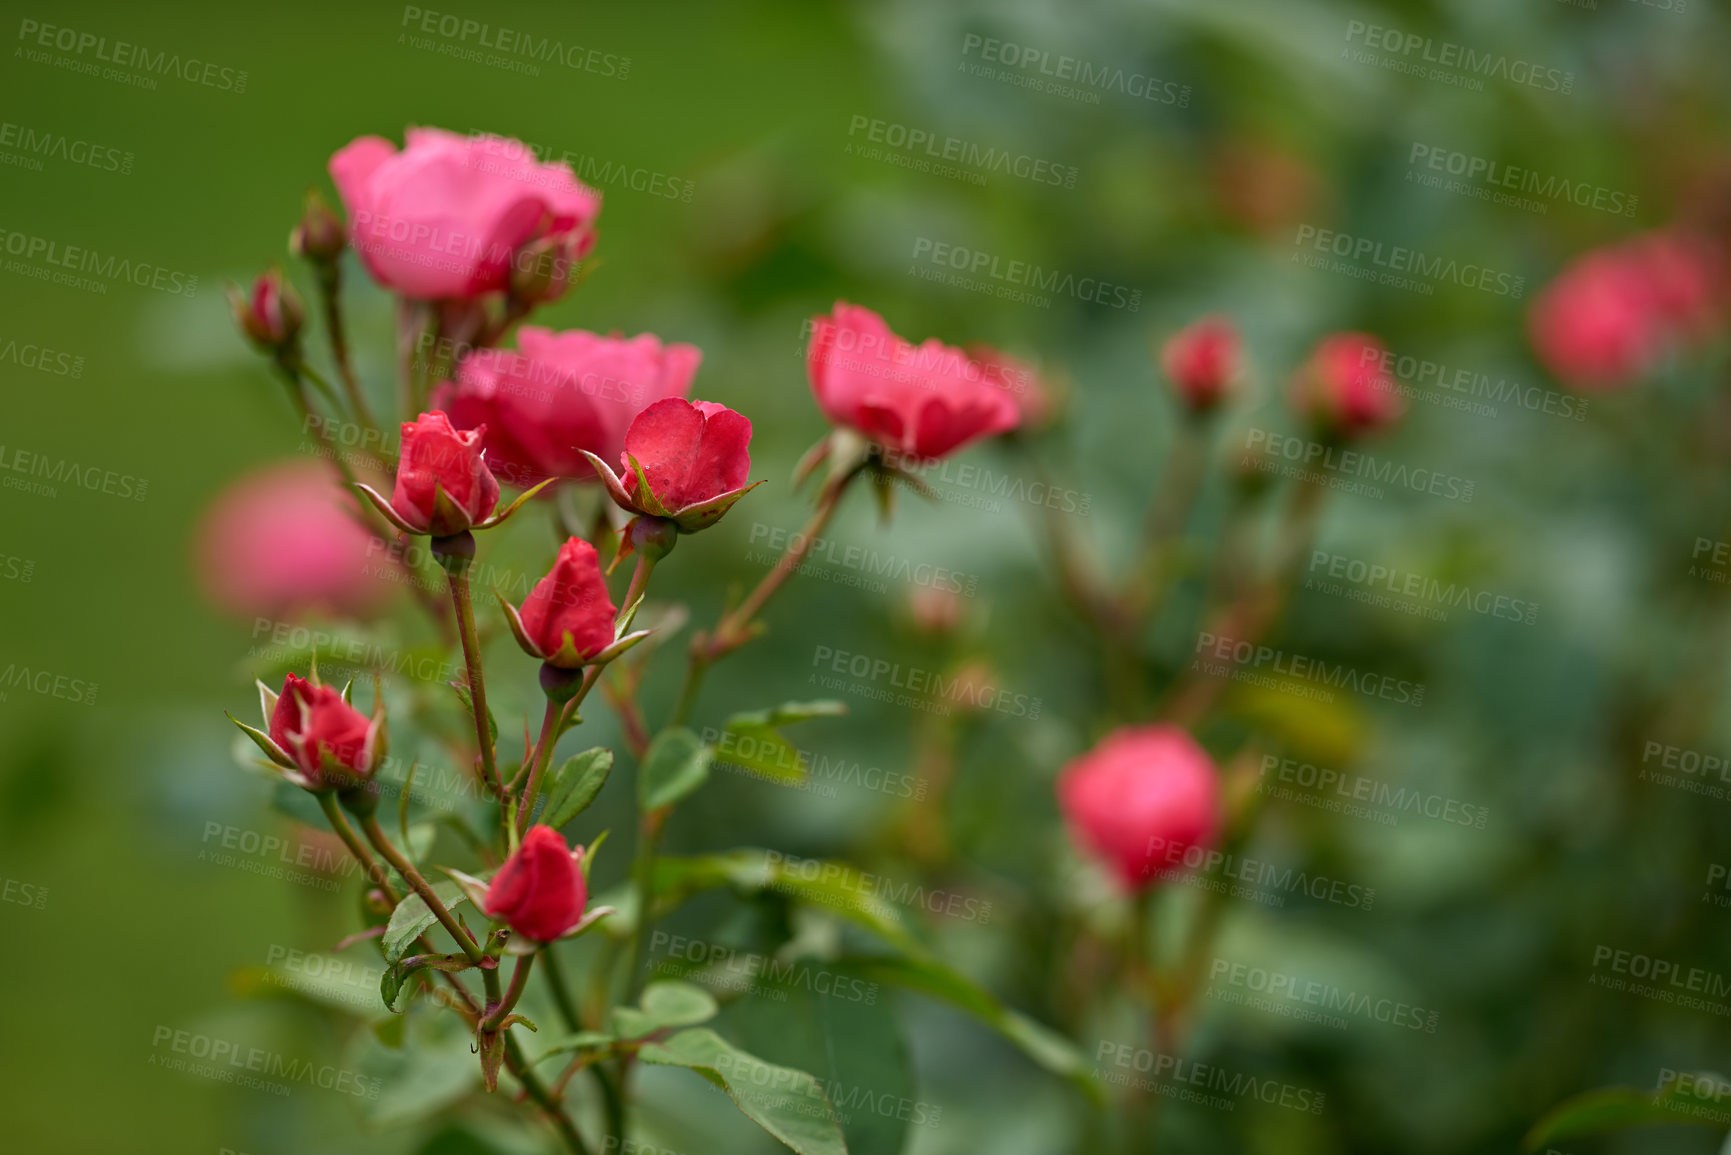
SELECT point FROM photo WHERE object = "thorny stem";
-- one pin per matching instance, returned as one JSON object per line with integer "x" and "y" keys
{"x": 382, "y": 843}
{"x": 330, "y": 278}
{"x": 477, "y": 690}
{"x": 519, "y": 981}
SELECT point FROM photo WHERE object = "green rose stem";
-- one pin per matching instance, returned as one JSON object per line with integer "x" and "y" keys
{"x": 519, "y": 980}
{"x": 454, "y": 555}
{"x": 1174, "y": 498}
{"x": 466, "y": 942}
{"x": 330, "y": 281}
{"x": 1256, "y": 608}
{"x": 514, "y": 1060}
{"x": 610, "y": 1098}
{"x": 411, "y": 323}
{"x": 565, "y": 690}
{"x": 738, "y": 627}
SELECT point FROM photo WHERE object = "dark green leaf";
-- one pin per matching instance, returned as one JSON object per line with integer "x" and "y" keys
{"x": 412, "y": 918}
{"x": 789, "y": 1104}
{"x": 1620, "y": 1108}
{"x": 676, "y": 763}
{"x": 664, "y": 1005}
{"x": 576, "y": 784}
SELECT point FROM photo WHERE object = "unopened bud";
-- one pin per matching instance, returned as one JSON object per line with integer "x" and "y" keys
{"x": 270, "y": 316}
{"x": 319, "y": 235}
{"x": 541, "y": 270}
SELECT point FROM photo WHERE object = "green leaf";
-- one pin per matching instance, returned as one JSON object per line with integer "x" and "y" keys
{"x": 789, "y": 1104}
{"x": 1620, "y": 1108}
{"x": 468, "y": 701}
{"x": 432, "y": 1068}
{"x": 412, "y": 918}
{"x": 676, "y": 764}
{"x": 664, "y": 1005}
{"x": 574, "y": 1042}
{"x": 928, "y": 976}
{"x": 754, "y": 739}
{"x": 576, "y": 784}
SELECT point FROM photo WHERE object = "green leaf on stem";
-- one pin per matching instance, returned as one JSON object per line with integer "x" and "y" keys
{"x": 577, "y": 1042}
{"x": 664, "y": 1005}
{"x": 412, "y": 918}
{"x": 754, "y": 740}
{"x": 676, "y": 763}
{"x": 575, "y": 785}
{"x": 468, "y": 699}
{"x": 789, "y": 1104}
{"x": 1620, "y": 1108}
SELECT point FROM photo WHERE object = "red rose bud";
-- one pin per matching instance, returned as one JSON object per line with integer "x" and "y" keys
{"x": 319, "y": 236}
{"x": 686, "y": 462}
{"x": 270, "y": 316}
{"x": 1140, "y": 800}
{"x": 443, "y": 484}
{"x": 323, "y": 735}
{"x": 1202, "y": 362}
{"x": 925, "y": 401}
{"x": 1342, "y": 388}
{"x": 541, "y": 270}
{"x": 539, "y": 892}
{"x": 567, "y": 619}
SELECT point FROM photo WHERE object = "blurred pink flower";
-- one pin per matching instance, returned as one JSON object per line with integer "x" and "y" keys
{"x": 1342, "y": 388}
{"x": 446, "y": 216}
{"x": 278, "y": 543}
{"x": 1611, "y": 314}
{"x": 1141, "y": 800}
{"x": 1202, "y": 360}
{"x": 925, "y": 400}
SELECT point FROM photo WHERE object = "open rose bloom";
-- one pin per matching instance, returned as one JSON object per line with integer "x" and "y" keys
{"x": 446, "y": 216}
{"x": 685, "y": 461}
{"x": 562, "y": 395}
{"x": 921, "y": 401}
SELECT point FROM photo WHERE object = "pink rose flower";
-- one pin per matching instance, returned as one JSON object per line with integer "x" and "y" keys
{"x": 282, "y": 542}
{"x": 923, "y": 401}
{"x": 443, "y": 485}
{"x": 685, "y": 461}
{"x": 1202, "y": 361}
{"x": 1342, "y": 389}
{"x": 1609, "y": 316}
{"x": 540, "y": 892}
{"x": 568, "y": 617}
{"x": 446, "y": 216}
{"x": 1140, "y": 800}
{"x": 562, "y": 394}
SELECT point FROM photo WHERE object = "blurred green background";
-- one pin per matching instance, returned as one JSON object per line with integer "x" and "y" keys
{"x": 107, "y": 808}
